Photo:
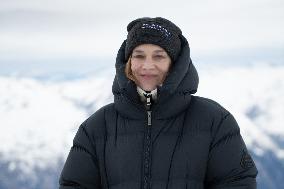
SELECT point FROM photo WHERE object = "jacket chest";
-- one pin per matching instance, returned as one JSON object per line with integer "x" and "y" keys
{"x": 167, "y": 149}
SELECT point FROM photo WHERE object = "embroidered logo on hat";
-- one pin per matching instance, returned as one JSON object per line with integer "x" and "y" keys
{"x": 156, "y": 27}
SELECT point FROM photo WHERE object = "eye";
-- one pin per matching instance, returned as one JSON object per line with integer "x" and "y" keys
{"x": 138, "y": 56}
{"x": 159, "y": 56}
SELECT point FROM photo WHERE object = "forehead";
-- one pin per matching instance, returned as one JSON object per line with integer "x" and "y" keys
{"x": 148, "y": 48}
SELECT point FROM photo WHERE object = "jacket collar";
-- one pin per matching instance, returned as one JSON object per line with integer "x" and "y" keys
{"x": 142, "y": 94}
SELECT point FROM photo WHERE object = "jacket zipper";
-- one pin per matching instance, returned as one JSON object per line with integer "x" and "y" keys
{"x": 149, "y": 118}
{"x": 147, "y": 150}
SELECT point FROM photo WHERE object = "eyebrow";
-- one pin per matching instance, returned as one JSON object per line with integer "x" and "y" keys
{"x": 138, "y": 51}
{"x": 159, "y": 50}
{"x": 156, "y": 51}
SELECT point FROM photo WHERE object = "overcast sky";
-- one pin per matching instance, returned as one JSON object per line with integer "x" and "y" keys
{"x": 42, "y": 29}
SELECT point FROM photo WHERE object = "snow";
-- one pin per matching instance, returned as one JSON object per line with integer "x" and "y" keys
{"x": 39, "y": 119}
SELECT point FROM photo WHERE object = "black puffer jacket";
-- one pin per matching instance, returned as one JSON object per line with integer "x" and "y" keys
{"x": 187, "y": 142}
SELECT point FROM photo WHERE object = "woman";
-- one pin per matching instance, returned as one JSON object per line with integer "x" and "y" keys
{"x": 156, "y": 134}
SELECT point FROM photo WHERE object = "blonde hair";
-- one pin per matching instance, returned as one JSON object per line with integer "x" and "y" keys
{"x": 128, "y": 71}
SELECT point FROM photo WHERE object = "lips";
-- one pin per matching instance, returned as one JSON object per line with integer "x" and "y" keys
{"x": 148, "y": 76}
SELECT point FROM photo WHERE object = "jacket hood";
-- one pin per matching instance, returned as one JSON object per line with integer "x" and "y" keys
{"x": 173, "y": 96}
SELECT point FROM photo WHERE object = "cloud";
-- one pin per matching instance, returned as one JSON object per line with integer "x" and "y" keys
{"x": 94, "y": 28}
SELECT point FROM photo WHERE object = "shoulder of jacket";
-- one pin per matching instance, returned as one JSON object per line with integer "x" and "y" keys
{"x": 222, "y": 122}
{"x": 100, "y": 113}
{"x": 95, "y": 124}
{"x": 208, "y": 106}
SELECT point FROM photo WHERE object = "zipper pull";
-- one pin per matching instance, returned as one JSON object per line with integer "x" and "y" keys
{"x": 148, "y": 100}
{"x": 149, "y": 118}
{"x": 148, "y": 96}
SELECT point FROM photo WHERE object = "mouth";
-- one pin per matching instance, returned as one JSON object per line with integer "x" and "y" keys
{"x": 148, "y": 76}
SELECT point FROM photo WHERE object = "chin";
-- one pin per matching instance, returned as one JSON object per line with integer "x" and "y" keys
{"x": 148, "y": 88}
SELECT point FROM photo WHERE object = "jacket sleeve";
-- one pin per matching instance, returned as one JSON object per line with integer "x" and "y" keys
{"x": 230, "y": 165}
{"x": 81, "y": 169}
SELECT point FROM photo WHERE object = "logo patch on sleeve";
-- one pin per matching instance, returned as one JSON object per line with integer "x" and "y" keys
{"x": 246, "y": 161}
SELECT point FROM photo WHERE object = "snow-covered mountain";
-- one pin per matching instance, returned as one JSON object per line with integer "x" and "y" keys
{"x": 40, "y": 118}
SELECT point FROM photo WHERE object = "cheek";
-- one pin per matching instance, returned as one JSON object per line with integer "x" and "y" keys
{"x": 164, "y": 69}
{"x": 134, "y": 67}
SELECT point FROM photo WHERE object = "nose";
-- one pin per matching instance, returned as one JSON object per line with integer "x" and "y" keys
{"x": 148, "y": 64}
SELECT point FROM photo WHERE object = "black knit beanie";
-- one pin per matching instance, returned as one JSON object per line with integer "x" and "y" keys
{"x": 158, "y": 31}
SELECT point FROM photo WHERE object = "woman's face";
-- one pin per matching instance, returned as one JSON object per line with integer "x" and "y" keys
{"x": 149, "y": 65}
